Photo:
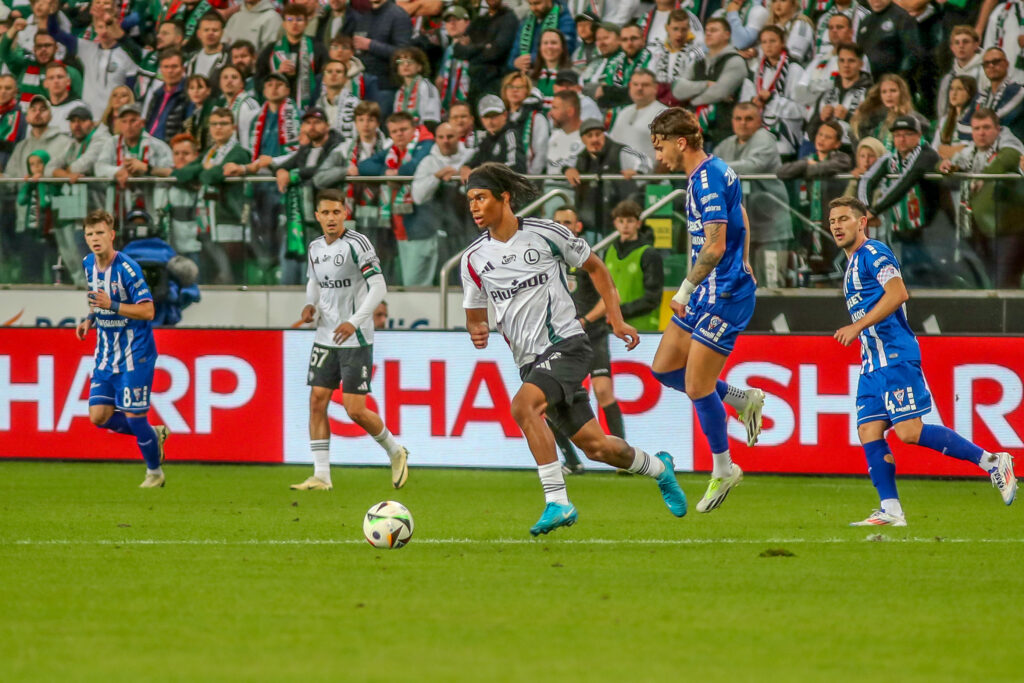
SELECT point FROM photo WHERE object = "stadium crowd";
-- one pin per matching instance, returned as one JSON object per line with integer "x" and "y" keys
{"x": 198, "y": 93}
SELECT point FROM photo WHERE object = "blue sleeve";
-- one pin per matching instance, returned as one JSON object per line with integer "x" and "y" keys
{"x": 69, "y": 41}
{"x": 880, "y": 260}
{"x": 135, "y": 284}
{"x": 421, "y": 152}
{"x": 514, "y": 52}
{"x": 567, "y": 25}
{"x": 711, "y": 198}
{"x": 374, "y": 165}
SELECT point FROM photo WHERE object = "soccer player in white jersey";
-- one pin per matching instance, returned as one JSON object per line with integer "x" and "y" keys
{"x": 518, "y": 266}
{"x": 344, "y": 287}
{"x": 892, "y": 391}
{"x": 122, "y": 378}
{"x": 715, "y": 301}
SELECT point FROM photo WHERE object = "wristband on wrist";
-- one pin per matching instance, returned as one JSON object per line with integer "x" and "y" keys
{"x": 115, "y": 306}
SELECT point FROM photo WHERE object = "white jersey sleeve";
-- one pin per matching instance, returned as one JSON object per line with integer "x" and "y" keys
{"x": 566, "y": 246}
{"x": 473, "y": 295}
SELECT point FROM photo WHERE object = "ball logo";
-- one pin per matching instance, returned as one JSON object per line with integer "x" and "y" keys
{"x": 532, "y": 256}
{"x": 339, "y": 259}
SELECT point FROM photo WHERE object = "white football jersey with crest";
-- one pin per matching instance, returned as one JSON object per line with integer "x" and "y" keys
{"x": 337, "y": 285}
{"x": 524, "y": 279}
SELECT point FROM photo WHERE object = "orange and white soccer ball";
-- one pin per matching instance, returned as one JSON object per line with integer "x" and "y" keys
{"x": 388, "y": 524}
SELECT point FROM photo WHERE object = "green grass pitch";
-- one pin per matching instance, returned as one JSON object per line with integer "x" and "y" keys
{"x": 227, "y": 575}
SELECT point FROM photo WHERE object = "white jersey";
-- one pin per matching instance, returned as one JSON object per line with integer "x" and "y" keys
{"x": 338, "y": 273}
{"x": 524, "y": 279}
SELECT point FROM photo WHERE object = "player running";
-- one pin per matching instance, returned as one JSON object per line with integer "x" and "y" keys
{"x": 518, "y": 265}
{"x": 122, "y": 377}
{"x": 892, "y": 391}
{"x": 715, "y": 301}
{"x": 344, "y": 287}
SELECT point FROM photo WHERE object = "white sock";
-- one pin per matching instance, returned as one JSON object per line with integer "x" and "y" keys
{"x": 723, "y": 465}
{"x": 388, "y": 443}
{"x": 646, "y": 465}
{"x": 553, "y": 481}
{"x": 735, "y": 397}
{"x": 158, "y": 470}
{"x": 892, "y": 506}
{"x": 988, "y": 462}
{"x": 321, "y": 449}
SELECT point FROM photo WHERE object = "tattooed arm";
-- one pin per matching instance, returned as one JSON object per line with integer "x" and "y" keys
{"x": 710, "y": 254}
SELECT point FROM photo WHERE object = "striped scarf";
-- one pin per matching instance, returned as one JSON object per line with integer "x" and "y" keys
{"x": 305, "y": 81}
{"x": 530, "y": 27}
{"x": 454, "y": 75}
{"x": 777, "y": 84}
{"x": 907, "y": 211}
{"x": 620, "y": 67}
{"x": 10, "y": 121}
{"x": 287, "y": 128}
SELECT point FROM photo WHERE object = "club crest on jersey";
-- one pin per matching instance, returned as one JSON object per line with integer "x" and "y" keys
{"x": 507, "y": 259}
{"x": 900, "y": 401}
{"x": 339, "y": 259}
{"x": 531, "y": 256}
{"x": 714, "y": 322}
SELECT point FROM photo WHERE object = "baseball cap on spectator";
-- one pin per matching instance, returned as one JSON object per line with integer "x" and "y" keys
{"x": 906, "y": 122}
{"x": 591, "y": 124}
{"x": 278, "y": 76}
{"x": 39, "y": 98}
{"x": 80, "y": 112}
{"x": 133, "y": 108}
{"x": 567, "y": 76}
{"x": 491, "y": 105}
{"x": 455, "y": 11}
{"x": 314, "y": 113}
{"x": 589, "y": 15}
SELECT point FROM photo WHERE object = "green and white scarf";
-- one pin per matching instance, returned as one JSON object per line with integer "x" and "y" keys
{"x": 305, "y": 82}
{"x": 206, "y": 207}
{"x": 530, "y": 27}
{"x": 907, "y": 211}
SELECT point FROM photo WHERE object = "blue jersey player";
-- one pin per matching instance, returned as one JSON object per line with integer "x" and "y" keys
{"x": 715, "y": 301}
{"x": 121, "y": 308}
{"x": 892, "y": 391}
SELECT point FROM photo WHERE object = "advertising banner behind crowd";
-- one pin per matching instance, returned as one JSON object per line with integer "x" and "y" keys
{"x": 241, "y": 396}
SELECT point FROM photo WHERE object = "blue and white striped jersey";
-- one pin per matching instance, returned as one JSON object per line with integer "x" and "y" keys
{"x": 714, "y": 195}
{"x": 890, "y": 341}
{"x": 121, "y": 343}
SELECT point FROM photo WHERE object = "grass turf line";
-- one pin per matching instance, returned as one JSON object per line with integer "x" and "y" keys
{"x": 228, "y": 575}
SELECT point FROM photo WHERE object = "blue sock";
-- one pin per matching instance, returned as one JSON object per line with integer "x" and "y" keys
{"x": 882, "y": 472}
{"x": 721, "y": 388}
{"x": 711, "y": 414}
{"x": 675, "y": 379}
{"x": 117, "y": 423}
{"x": 147, "y": 440}
{"x": 948, "y": 442}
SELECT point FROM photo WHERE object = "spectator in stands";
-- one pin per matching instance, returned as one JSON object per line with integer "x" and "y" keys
{"x": 438, "y": 199}
{"x": 501, "y": 142}
{"x": 565, "y": 143}
{"x": 257, "y": 22}
{"x": 295, "y": 55}
{"x": 404, "y": 154}
{"x": 776, "y": 79}
{"x": 200, "y": 103}
{"x": 797, "y": 29}
{"x": 850, "y": 9}
{"x": 243, "y": 58}
{"x": 603, "y": 156}
{"x": 967, "y": 58}
{"x": 552, "y": 57}
{"x": 41, "y": 136}
{"x": 330, "y": 21}
{"x": 614, "y": 88}
{"x": 842, "y": 100}
{"x": 461, "y": 117}
{"x": 745, "y": 19}
{"x": 869, "y": 150}
{"x": 752, "y": 149}
{"x": 165, "y": 105}
{"x": 58, "y": 92}
{"x": 178, "y": 215}
{"x": 524, "y": 113}
{"x": 295, "y": 182}
{"x": 994, "y": 207}
{"x": 609, "y": 49}
{"x": 636, "y": 268}
{"x": 35, "y": 221}
{"x": 953, "y": 131}
{"x": 243, "y": 106}
{"x": 106, "y": 65}
{"x": 586, "y": 46}
{"x": 220, "y": 205}
{"x": 674, "y": 56}
{"x": 188, "y": 13}
{"x": 342, "y": 92}
{"x": 890, "y": 39}
{"x": 453, "y": 74}
{"x": 12, "y": 120}
{"x": 1004, "y": 95}
{"x": 380, "y": 316}
{"x": 169, "y": 35}
{"x": 824, "y": 66}
{"x": 416, "y": 95}
{"x": 712, "y": 85}
{"x": 486, "y": 46}
{"x": 632, "y": 124}
{"x": 909, "y": 201}
{"x": 1005, "y": 30}
{"x": 654, "y": 23}
{"x": 886, "y": 101}
{"x": 816, "y": 185}
{"x": 133, "y": 153}
{"x": 119, "y": 96}
{"x": 29, "y": 67}
{"x": 544, "y": 14}
{"x": 376, "y": 34}
{"x": 40, "y": 19}
{"x": 567, "y": 79}
{"x": 211, "y": 55}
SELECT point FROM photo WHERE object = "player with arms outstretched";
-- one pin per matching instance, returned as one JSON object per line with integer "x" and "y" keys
{"x": 892, "y": 391}
{"x": 122, "y": 378}
{"x": 344, "y": 287}
{"x": 519, "y": 266}
{"x": 715, "y": 301}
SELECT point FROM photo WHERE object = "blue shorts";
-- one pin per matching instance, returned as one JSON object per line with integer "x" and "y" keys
{"x": 127, "y": 391}
{"x": 893, "y": 394}
{"x": 717, "y": 325}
